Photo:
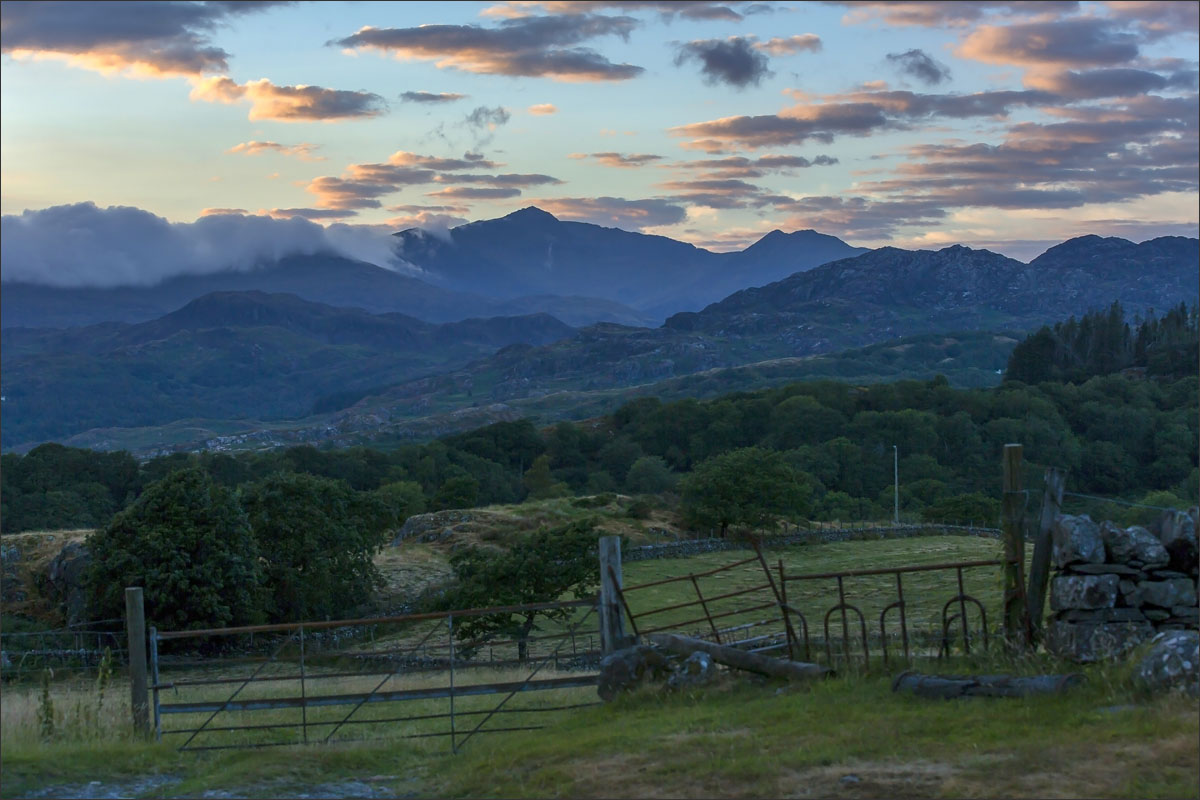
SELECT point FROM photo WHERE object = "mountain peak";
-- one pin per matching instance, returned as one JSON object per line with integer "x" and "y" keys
{"x": 531, "y": 214}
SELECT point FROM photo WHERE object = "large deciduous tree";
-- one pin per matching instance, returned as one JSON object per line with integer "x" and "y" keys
{"x": 541, "y": 568}
{"x": 317, "y": 538}
{"x": 186, "y": 542}
{"x": 747, "y": 488}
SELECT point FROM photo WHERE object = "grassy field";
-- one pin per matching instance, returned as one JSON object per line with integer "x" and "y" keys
{"x": 742, "y": 737}
{"x": 925, "y": 593}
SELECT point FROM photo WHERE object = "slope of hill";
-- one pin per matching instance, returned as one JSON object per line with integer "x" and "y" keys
{"x": 901, "y": 292}
{"x": 231, "y": 355}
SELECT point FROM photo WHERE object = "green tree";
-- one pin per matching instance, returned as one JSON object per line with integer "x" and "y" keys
{"x": 186, "y": 542}
{"x": 457, "y": 491}
{"x": 746, "y": 488}
{"x": 540, "y": 568}
{"x": 975, "y": 508}
{"x": 317, "y": 538}
{"x": 650, "y": 475}
{"x": 539, "y": 481}
{"x": 402, "y": 499}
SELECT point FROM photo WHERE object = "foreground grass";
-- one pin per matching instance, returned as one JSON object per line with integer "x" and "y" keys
{"x": 739, "y": 738}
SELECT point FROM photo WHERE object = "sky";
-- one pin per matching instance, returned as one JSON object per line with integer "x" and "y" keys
{"x": 233, "y": 129}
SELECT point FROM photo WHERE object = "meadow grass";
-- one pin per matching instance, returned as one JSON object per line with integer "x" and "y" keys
{"x": 743, "y": 736}
{"x": 740, "y": 737}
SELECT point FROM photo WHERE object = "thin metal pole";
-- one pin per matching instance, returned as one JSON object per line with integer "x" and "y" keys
{"x": 450, "y": 636}
{"x": 303, "y": 693}
{"x": 896, "y": 475}
{"x": 154, "y": 678}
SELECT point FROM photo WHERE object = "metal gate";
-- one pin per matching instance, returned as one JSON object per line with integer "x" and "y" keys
{"x": 405, "y": 677}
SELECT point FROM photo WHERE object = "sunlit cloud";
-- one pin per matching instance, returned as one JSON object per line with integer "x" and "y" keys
{"x": 289, "y": 103}
{"x": 139, "y": 39}
{"x": 302, "y": 151}
{"x": 618, "y": 212}
{"x": 544, "y": 47}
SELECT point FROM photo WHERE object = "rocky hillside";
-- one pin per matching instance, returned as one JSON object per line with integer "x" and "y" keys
{"x": 901, "y": 292}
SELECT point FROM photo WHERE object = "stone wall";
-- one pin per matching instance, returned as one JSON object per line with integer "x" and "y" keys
{"x": 692, "y": 547}
{"x": 1115, "y": 587}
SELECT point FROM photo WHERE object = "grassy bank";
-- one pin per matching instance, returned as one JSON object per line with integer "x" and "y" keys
{"x": 849, "y": 736}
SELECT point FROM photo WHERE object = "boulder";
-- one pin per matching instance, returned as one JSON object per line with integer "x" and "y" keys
{"x": 1083, "y": 591}
{"x": 1168, "y": 593}
{"x": 1135, "y": 544}
{"x": 1173, "y": 661}
{"x": 1076, "y": 539}
{"x": 431, "y": 527}
{"x": 65, "y": 578}
{"x": 697, "y": 669}
{"x": 1085, "y": 642}
{"x": 1177, "y": 533}
{"x": 628, "y": 668}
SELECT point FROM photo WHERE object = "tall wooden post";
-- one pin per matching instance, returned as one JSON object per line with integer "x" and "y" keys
{"x": 135, "y": 630}
{"x": 1016, "y": 630}
{"x": 612, "y": 620}
{"x": 1039, "y": 570}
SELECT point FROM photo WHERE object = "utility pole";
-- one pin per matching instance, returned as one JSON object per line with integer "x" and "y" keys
{"x": 896, "y": 474}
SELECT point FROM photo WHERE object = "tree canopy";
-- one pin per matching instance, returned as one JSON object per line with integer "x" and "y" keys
{"x": 316, "y": 538}
{"x": 746, "y": 488}
{"x": 186, "y": 542}
{"x": 549, "y": 565}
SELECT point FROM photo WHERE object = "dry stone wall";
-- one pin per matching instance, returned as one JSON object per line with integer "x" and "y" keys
{"x": 1114, "y": 587}
{"x": 693, "y": 547}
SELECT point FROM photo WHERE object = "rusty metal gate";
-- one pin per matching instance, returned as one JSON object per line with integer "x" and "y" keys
{"x": 280, "y": 685}
{"x": 952, "y": 610}
{"x": 932, "y": 620}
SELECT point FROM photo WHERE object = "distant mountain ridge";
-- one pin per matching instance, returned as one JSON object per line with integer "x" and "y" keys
{"x": 907, "y": 292}
{"x": 233, "y": 355}
{"x": 523, "y": 263}
{"x": 258, "y": 360}
{"x": 326, "y": 278}
{"x": 532, "y": 252}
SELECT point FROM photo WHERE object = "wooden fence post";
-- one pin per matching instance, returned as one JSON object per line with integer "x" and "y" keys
{"x": 1039, "y": 570}
{"x": 135, "y": 630}
{"x": 1016, "y": 631}
{"x": 612, "y": 620}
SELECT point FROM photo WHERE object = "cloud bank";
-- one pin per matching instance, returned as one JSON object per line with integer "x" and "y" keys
{"x": 540, "y": 47}
{"x": 83, "y": 245}
{"x": 147, "y": 39}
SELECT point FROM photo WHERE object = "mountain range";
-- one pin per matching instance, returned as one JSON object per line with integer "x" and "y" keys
{"x": 525, "y": 263}
{"x": 261, "y": 368}
{"x": 530, "y": 251}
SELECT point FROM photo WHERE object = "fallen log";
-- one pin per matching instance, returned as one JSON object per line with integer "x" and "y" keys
{"x": 950, "y": 686}
{"x": 740, "y": 659}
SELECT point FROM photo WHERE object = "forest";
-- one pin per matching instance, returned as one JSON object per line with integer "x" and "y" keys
{"x": 1120, "y": 435}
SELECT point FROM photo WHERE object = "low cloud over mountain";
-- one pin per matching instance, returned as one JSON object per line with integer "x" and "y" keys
{"x": 84, "y": 245}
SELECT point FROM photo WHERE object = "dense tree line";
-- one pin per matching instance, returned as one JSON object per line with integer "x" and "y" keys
{"x": 286, "y": 548}
{"x": 1104, "y": 342}
{"x": 1119, "y": 436}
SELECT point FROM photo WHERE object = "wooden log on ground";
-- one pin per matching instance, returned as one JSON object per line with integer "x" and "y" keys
{"x": 950, "y": 686}
{"x": 740, "y": 659}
